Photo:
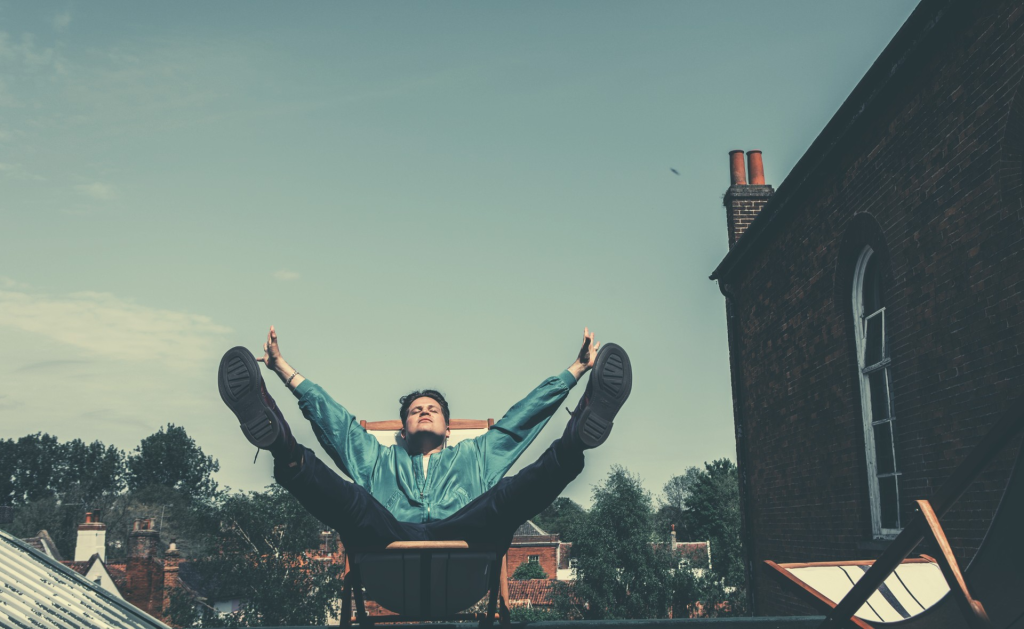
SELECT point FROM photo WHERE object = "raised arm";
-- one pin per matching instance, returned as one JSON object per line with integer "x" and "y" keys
{"x": 273, "y": 360}
{"x": 353, "y": 450}
{"x": 512, "y": 434}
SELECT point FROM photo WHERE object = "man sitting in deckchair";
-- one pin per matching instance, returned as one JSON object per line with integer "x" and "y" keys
{"x": 426, "y": 491}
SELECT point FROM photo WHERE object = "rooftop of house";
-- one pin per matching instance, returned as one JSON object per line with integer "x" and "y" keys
{"x": 40, "y": 588}
{"x": 44, "y": 544}
{"x": 925, "y": 31}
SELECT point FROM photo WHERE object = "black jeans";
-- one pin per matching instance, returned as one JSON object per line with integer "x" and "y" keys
{"x": 490, "y": 519}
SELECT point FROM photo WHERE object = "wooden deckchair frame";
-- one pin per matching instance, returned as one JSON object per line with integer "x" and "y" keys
{"x": 497, "y": 599}
{"x": 925, "y": 524}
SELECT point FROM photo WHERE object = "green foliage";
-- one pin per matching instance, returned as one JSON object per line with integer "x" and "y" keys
{"x": 703, "y": 594}
{"x": 559, "y": 516}
{"x": 266, "y": 537}
{"x": 529, "y": 570}
{"x": 713, "y": 513}
{"x": 38, "y": 467}
{"x": 59, "y": 521}
{"x": 672, "y": 510}
{"x": 171, "y": 458}
{"x": 620, "y": 573}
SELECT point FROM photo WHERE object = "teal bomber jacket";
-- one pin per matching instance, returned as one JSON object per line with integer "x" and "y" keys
{"x": 455, "y": 475}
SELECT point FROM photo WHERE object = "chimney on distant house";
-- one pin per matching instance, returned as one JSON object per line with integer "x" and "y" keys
{"x": 92, "y": 538}
{"x": 172, "y": 559}
{"x": 743, "y": 201}
{"x": 673, "y": 536}
{"x": 144, "y": 569}
{"x": 144, "y": 541}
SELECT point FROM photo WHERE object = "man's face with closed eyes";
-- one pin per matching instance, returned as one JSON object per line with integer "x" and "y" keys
{"x": 425, "y": 415}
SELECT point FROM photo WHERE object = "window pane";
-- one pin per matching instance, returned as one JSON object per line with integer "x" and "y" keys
{"x": 888, "y": 497}
{"x": 884, "y": 455}
{"x": 879, "y": 386}
{"x": 874, "y": 341}
{"x": 872, "y": 287}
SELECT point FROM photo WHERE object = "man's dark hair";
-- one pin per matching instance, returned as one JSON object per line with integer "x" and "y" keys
{"x": 407, "y": 400}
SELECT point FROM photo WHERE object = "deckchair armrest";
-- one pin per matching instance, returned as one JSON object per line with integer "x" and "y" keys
{"x": 427, "y": 545}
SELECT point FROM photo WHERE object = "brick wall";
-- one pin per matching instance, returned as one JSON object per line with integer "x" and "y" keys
{"x": 937, "y": 168}
{"x": 742, "y": 205}
{"x": 547, "y": 555}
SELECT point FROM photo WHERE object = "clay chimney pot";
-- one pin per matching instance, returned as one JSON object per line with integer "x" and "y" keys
{"x": 737, "y": 172}
{"x": 756, "y": 168}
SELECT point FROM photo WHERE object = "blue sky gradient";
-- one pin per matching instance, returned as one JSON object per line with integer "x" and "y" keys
{"x": 414, "y": 194}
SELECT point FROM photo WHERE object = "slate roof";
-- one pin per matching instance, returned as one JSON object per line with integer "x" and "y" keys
{"x": 37, "y": 591}
{"x": 528, "y": 529}
{"x": 44, "y": 544}
{"x": 537, "y": 591}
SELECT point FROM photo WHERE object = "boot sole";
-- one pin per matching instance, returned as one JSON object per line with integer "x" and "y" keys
{"x": 610, "y": 382}
{"x": 239, "y": 382}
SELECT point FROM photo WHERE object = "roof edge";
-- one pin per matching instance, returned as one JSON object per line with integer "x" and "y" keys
{"x": 915, "y": 37}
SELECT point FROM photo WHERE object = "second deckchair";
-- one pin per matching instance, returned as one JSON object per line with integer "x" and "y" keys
{"x": 990, "y": 591}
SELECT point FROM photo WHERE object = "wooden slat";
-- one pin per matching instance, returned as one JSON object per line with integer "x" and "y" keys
{"x": 971, "y": 609}
{"x": 454, "y": 424}
{"x": 821, "y": 602}
{"x": 426, "y": 545}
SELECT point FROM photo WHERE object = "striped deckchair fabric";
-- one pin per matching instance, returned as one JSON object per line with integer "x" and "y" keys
{"x": 916, "y": 585}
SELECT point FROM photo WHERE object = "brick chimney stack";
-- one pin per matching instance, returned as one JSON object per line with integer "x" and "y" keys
{"x": 172, "y": 559}
{"x": 744, "y": 201}
{"x": 144, "y": 541}
{"x": 144, "y": 568}
{"x": 92, "y": 538}
{"x": 673, "y": 546}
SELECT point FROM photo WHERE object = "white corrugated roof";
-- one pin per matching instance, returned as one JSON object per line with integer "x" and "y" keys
{"x": 37, "y": 592}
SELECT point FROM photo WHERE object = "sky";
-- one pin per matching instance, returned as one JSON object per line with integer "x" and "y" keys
{"x": 414, "y": 195}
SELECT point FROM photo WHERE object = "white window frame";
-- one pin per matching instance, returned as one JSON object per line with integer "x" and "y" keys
{"x": 863, "y": 373}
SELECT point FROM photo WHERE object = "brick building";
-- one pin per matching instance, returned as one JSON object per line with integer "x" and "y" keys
{"x": 876, "y": 326}
{"x": 531, "y": 544}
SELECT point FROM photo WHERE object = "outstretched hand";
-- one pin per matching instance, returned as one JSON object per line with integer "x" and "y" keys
{"x": 587, "y": 356}
{"x": 273, "y": 360}
{"x": 588, "y": 353}
{"x": 271, "y": 351}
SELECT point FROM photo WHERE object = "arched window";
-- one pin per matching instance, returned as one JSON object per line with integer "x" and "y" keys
{"x": 875, "y": 374}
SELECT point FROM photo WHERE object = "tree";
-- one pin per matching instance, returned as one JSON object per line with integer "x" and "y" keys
{"x": 559, "y": 516}
{"x": 37, "y": 468}
{"x": 620, "y": 572}
{"x": 529, "y": 570}
{"x": 8, "y": 471}
{"x": 703, "y": 594}
{"x": 713, "y": 513}
{"x": 172, "y": 459}
{"x": 265, "y": 562}
{"x": 92, "y": 471}
{"x": 672, "y": 510}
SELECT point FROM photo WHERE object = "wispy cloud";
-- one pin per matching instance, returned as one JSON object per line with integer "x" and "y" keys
{"x": 17, "y": 171}
{"x": 97, "y": 191}
{"x": 109, "y": 327}
{"x": 61, "y": 21}
{"x": 8, "y": 283}
{"x": 286, "y": 276}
